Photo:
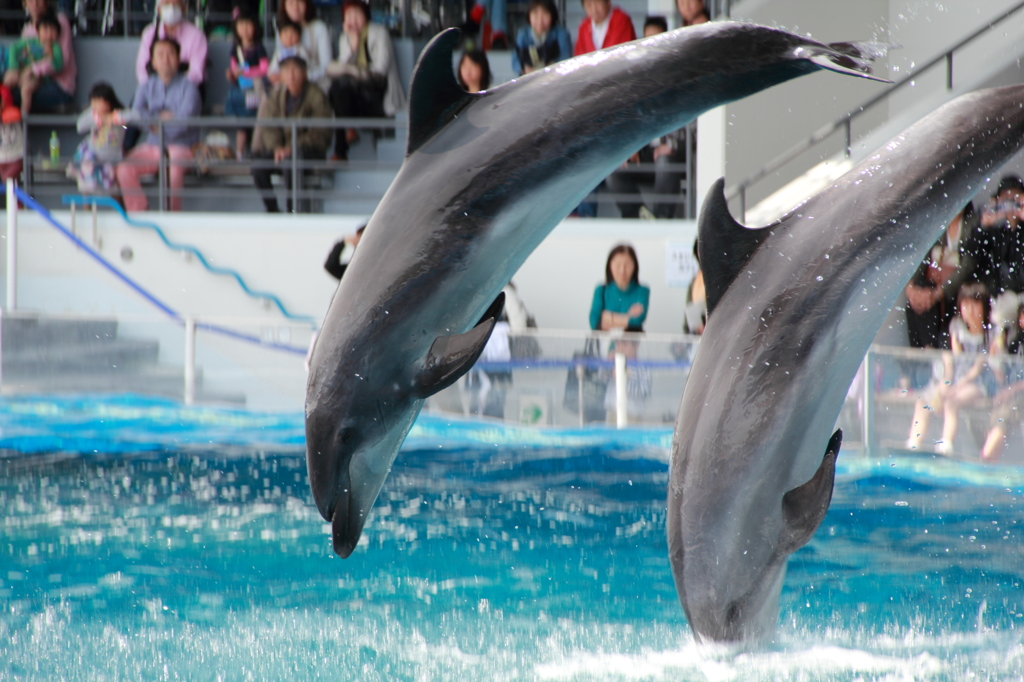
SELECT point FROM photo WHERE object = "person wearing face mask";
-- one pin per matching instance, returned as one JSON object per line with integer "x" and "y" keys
{"x": 171, "y": 23}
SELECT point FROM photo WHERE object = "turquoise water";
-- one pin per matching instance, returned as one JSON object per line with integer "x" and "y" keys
{"x": 147, "y": 541}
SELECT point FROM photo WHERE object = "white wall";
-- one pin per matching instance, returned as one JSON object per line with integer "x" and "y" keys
{"x": 764, "y": 125}
{"x": 557, "y": 281}
{"x": 767, "y": 124}
{"x": 284, "y": 256}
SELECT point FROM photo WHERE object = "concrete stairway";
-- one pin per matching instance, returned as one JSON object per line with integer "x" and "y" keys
{"x": 57, "y": 355}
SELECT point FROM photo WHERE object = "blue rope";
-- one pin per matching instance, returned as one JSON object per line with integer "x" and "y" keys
{"x": 79, "y": 200}
{"x": 31, "y": 203}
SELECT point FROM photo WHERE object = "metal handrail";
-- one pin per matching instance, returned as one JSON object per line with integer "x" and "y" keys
{"x": 79, "y": 200}
{"x": 684, "y": 201}
{"x": 174, "y": 315}
{"x": 229, "y": 122}
{"x": 846, "y": 120}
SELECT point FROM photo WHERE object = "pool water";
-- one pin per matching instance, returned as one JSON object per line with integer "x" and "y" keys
{"x": 147, "y": 541}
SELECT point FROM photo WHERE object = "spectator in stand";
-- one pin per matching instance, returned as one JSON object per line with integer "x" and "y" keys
{"x": 94, "y": 166}
{"x": 342, "y": 252}
{"x": 495, "y": 13}
{"x": 654, "y": 25}
{"x": 693, "y": 12}
{"x": 621, "y": 302}
{"x": 168, "y": 95}
{"x": 1008, "y": 406}
{"x": 365, "y": 77}
{"x": 695, "y": 315}
{"x": 474, "y": 72}
{"x": 665, "y": 154}
{"x": 55, "y": 94}
{"x": 295, "y": 97}
{"x": 931, "y": 292}
{"x": 12, "y": 140}
{"x": 32, "y": 61}
{"x": 246, "y": 74}
{"x": 170, "y": 23}
{"x": 969, "y": 375}
{"x": 604, "y": 26}
{"x": 289, "y": 44}
{"x": 999, "y": 245}
{"x": 316, "y": 38}
{"x": 543, "y": 42}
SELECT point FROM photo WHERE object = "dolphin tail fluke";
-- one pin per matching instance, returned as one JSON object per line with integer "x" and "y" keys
{"x": 853, "y": 59}
{"x": 805, "y": 506}
{"x": 452, "y": 356}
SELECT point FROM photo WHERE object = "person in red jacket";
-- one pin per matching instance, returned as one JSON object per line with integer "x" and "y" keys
{"x": 604, "y": 26}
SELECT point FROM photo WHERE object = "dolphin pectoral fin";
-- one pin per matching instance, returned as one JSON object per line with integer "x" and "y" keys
{"x": 435, "y": 97}
{"x": 452, "y": 356}
{"x": 804, "y": 507}
{"x": 494, "y": 311}
{"x": 725, "y": 245}
{"x": 852, "y": 59}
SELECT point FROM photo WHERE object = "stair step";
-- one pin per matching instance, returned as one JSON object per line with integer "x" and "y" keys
{"x": 110, "y": 354}
{"x": 21, "y": 332}
{"x": 161, "y": 381}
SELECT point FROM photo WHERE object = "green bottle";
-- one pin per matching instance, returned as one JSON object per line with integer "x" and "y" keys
{"x": 54, "y": 148}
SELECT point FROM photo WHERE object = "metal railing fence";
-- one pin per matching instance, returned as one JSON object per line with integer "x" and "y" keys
{"x": 45, "y": 179}
{"x": 311, "y": 180}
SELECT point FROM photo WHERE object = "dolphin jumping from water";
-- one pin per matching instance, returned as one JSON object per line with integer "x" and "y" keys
{"x": 792, "y": 310}
{"x": 486, "y": 177}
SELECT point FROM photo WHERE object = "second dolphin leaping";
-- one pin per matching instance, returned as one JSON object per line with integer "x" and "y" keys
{"x": 486, "y": 177}
{"x": 793, "y": 308}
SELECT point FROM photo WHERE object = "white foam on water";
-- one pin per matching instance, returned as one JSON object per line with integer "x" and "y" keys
{"x": 370, "y": 643}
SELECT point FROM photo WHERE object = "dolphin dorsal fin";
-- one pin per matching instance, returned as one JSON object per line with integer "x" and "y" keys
{"x": 434, "y": 96}
{"x": 804, "y": 507}
{"x": 725, "y": 245}
{"x": 452, "y": 356}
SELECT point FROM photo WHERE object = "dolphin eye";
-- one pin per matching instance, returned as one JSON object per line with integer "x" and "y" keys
{"x": 343, "y": 436}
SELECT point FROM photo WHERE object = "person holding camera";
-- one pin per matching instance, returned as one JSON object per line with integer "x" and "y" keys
{"x": 999, "y": 244}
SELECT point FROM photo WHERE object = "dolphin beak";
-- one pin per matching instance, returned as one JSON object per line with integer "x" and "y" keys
{"x": 346, "y": 527}
{"x": 347, "y": 472}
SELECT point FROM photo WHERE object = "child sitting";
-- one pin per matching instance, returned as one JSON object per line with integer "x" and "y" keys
{"x": 249, "y": 65}
{"x": 543, "y": 42}
{"x": 96, "y": 157}
{"x": 970, "y": 375}
{"x": 290, "y": 35}
{"x": 33, "y": 60}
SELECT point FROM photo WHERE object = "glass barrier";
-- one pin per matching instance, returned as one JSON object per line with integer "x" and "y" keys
{"x": 911, "y": 402}
{"x": 568, "y": 379}
{"x": 923, "y": 401}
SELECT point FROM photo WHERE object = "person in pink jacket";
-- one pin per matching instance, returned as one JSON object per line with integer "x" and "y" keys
{"x": 57, "y": 94}
{"x": 171, "y": 23}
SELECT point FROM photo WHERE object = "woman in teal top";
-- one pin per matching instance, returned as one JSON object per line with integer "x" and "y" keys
{"x": 621, "y": 302}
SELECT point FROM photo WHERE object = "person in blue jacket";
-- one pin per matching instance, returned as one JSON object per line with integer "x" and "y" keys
{"x": 621, "y": 302}
{"x": 543, "y": 42}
